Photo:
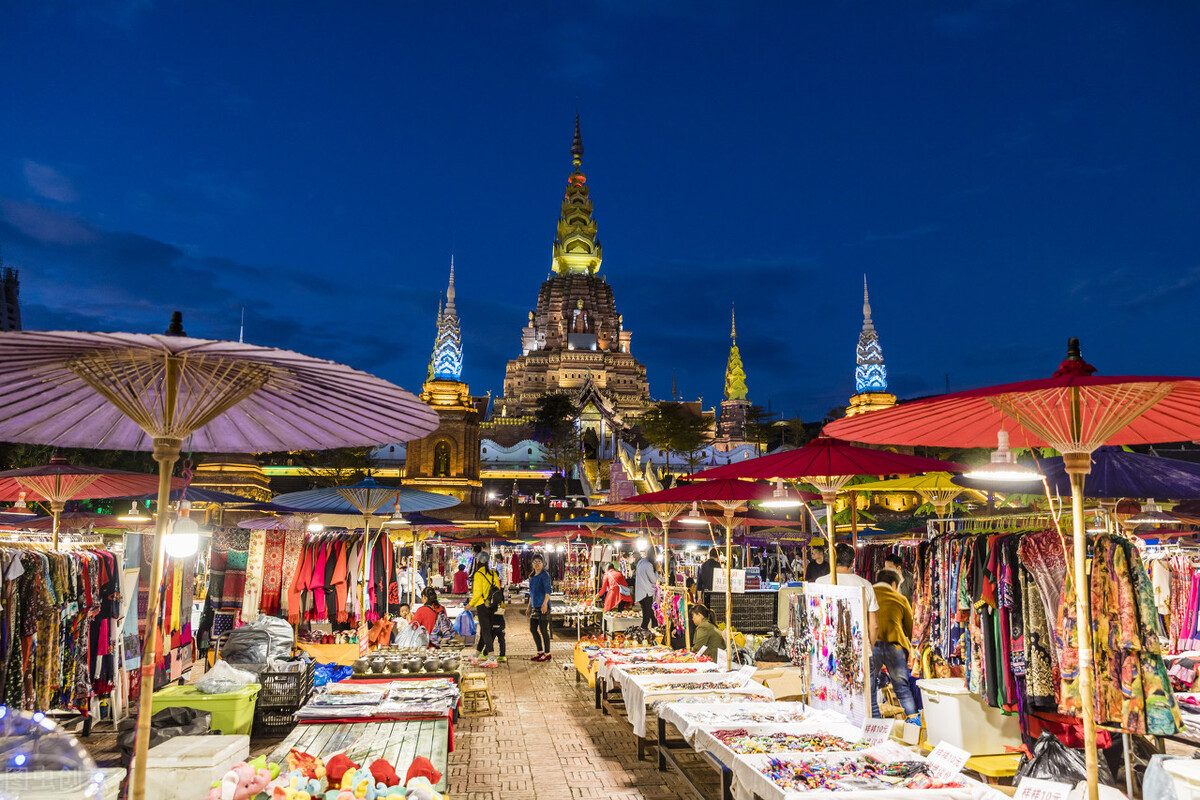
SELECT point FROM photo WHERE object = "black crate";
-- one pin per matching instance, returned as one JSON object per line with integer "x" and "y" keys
{"x": 271, "y": 724}
{"x": 286, "y": 689}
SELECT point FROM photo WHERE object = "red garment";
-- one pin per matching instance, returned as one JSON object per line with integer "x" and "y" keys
{"x": 317, "y": 584}
{"x": 461, "y": 586}
{"x": 338, "y": 584}
{"x": 426, "y": 617}
{"x": 299, "y": 584}
{"x": 611, "y": 589}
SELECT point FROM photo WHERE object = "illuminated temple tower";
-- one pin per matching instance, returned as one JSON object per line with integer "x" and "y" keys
{"x": 870, "y": 377}
{"x": 731, "y": 425}
{"x": 575, "y": 341}
{"x": 447, "y": 460}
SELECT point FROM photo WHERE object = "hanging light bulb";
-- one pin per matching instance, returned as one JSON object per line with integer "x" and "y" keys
{"x": 642, "y": 544}
{"x": 19, "y": 507}
{"x": 396, "y": 520}
{"x": 694, "y": 517}
{"x": 184, "y": 538}
{"x": 1003, "y": 468}
{"x": 134, "y": 515}
{"x": 1151, "y": 514}
{"x": 315, "y": 527}
{"x": 781, "y": 498}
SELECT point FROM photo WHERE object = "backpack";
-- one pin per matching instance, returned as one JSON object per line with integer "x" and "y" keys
{"x": 495, "y": 596}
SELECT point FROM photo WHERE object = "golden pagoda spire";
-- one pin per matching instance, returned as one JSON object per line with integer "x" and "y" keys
{"x": 735, "y": 374}
{"x": 576, "y": 248}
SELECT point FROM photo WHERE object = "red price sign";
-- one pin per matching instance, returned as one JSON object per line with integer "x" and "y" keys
{"x": 362, "y": 639}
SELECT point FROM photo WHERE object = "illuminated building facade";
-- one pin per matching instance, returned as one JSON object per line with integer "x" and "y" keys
{"x": 575, "y": 341}
{"x": 870, "y": 376}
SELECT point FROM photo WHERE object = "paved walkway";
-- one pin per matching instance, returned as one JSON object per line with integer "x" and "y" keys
{"x": 547, "y": 740}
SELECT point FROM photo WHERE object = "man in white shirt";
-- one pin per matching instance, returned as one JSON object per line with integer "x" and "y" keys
{"x": 846, "y": 577}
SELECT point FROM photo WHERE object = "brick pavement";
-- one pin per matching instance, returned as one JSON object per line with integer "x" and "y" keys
{"x": 548, "y": 741}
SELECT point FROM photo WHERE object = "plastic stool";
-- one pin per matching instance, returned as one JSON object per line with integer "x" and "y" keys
{"x": 476, "y": 697}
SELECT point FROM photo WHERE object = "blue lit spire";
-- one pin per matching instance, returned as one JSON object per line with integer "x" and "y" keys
{"x": 447, "y": 348}
{"x": 871, "y": 374}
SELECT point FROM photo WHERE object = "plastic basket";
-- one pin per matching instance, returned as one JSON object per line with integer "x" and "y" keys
{"x": 269, "y": 724}
{"x": 288, "y": 688}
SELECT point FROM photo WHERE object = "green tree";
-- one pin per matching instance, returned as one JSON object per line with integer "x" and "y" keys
{"x": 759, "y": 426}
{"x": 326, "y": 468}
{"x": 672, "y": 427}
{"x": 554, "y": 425}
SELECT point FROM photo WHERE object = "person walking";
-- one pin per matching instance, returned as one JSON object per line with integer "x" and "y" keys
{"x": 892, "y": 642}
{"x": 705, "y": 636}
{"x": 645, "y": 580}
{"x": 487, "y": 598}
{"x": 540, "y": 587}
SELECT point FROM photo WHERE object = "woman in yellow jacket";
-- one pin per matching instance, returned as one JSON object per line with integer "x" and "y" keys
{"x": 484, "y": 580}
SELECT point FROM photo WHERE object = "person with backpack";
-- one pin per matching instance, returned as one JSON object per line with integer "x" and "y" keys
{"x": 487, "y": 598}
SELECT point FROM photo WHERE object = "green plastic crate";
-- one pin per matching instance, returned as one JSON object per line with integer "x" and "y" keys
{"x": 232, "y": 712}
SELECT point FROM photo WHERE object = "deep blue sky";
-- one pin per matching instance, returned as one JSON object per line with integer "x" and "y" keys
{"x": 1007, "y": 174}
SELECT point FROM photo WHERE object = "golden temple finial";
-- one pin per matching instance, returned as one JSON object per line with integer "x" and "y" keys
{"x": 577, "y": 145}
{"x": 735, "y": 373}
{"x": 733, "y": 321}
{"x": 576, "y": 249}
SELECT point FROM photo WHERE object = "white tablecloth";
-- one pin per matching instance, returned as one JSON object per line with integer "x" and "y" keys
{"x": 706, "y": 742}
{"x": 691, "y": 717}
{"x": 637, "y": 697}
{"x": 645, "y": 655}
{"x": 750, "y": 781}
{"x": 619, "y": 673}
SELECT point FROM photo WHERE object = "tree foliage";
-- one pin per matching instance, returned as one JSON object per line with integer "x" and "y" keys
{"x": 554, "y": 425}
{"x": 672, "y": 427}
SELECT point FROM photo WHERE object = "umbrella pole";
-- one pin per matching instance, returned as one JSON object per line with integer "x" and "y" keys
{"x": 56, "y": 507}
{"x": 728, "y": 588}
{"x": 1077, "y": 466}
{"x": 829, "y": 498}
{"x": 363, "y": 643}
{"x": 854, "y": 520}
{"x": 166, "y": 452}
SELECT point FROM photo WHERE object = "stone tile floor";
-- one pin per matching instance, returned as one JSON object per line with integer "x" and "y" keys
{"x": 548, "y": 741}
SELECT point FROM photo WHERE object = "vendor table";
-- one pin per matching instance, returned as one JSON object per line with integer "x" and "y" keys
{"x": 397, "y": 742}
{"x": 639, "y": 693}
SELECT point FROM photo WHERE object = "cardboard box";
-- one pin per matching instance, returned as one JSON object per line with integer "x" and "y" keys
{"x": 788, "y": 687}
{"x": 766, "y": 673}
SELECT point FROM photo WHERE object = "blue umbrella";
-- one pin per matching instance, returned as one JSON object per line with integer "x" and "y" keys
{"x": 1115, "y": 473}
{"x": 591, "y": 521}
{"x": 365, "y": 498}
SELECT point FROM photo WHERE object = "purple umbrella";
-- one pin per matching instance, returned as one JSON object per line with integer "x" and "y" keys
{"x": 128, "y": 391}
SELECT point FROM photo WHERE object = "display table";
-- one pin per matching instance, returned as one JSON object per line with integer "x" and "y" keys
{"x": 398, "y": 742}
{"x": 642, "y": 691}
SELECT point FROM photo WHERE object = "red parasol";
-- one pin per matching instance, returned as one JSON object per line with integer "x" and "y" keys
{"x": 59, "y": 481}
{"x": 828, "y": 464}
{"x": 1075, "y": 412}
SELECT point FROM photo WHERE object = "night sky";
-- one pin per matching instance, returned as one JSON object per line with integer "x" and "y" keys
{"x": 1007, "y": 174}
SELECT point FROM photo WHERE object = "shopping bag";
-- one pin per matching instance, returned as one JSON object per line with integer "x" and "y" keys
{"x": 1054, "y": 761}
{"x": 413, "y": 637}
{"x": 773, "y": 648}
{"x": 464, "y": 626}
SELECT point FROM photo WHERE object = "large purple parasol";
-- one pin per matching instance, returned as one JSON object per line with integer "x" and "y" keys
{"x": 128, "y": 391}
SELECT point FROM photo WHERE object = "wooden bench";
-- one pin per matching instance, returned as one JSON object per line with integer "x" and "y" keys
{"x": 397, "y": 742}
